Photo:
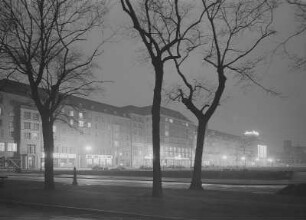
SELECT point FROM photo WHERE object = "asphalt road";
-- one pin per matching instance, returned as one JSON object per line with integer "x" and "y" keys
{"x": 21, "y": 212}
{"x": 88, "y": 180}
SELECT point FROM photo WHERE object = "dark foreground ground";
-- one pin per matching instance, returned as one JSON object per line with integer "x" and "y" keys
{"x": 120, "y": 202}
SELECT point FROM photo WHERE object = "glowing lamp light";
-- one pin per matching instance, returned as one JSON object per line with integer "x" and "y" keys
{"x": 242, "y": 158}
{"x": 270, "y": 160}
{"x": 257, "y": 159}
{"x": 88, "y": 148}
{"x": 224, "y": 157}
{"x": 252, "y": 133}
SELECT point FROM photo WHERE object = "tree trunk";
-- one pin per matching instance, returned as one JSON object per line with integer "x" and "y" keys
{"x": 196, "y": 183}
{"x": 157, "y": 179}
{"x": 47, "y": 129}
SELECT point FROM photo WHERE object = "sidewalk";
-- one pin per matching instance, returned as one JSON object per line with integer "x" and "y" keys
{"x": 137, "y": 202}
{"x": 168, "y": 179}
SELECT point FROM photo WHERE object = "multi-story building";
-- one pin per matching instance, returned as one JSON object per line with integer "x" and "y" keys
{"x": 92, "y": 134}
{"x": 293, "y": 155}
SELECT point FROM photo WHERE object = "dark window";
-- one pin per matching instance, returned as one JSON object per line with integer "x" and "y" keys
{"x": 31, "y": 148}
{"x": 27, "y": 125}
{"x": 35, "y": 116}
{"x": 27, "y": 115}
{"x": 36, "y": 126}
{"x": 27, "y": 135}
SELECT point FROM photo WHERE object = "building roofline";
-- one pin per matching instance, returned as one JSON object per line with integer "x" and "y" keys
{"x": 22, "y": 89}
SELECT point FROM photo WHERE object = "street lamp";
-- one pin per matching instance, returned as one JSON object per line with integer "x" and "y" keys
{"x": 244, "y": 160}
{"x": 251, "y": 133}
{"x": 224, "y": 158}
{"x": 88, "y": 148}
{"x": 88, "y": 157}
{"x": 270, "y": 160}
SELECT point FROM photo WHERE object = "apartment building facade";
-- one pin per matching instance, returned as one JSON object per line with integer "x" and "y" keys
{"x": 97, "y": 134}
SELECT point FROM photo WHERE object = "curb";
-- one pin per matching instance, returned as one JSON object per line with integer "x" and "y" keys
{"x": 91, "y": 210}
{"x": 205, "y": 181}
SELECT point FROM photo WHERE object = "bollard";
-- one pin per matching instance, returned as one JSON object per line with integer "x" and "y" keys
{"x": 74, "y": 182}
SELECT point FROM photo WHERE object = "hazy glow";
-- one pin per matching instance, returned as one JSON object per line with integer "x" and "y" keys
{"x": 252, "y": 133}
{"x": 88, "y": 148}
{"x": 262, "y": 151}
{"x": 242, "y": 158}
{"x": 224, "y": 157}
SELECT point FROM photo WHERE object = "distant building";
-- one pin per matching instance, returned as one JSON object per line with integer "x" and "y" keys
{"x": 293, "y": 155}
{"x": 96, "y": 134}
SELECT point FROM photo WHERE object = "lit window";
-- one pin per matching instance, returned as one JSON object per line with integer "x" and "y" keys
{"x": 71, "y": 113}
{"x": 12, "y": 147}
{"x": 54, "y": 128}
{"x": 166, "y": 133}
{"x": 2, "y": 147}
{"x": 34, "y": 135}
{"x": 0, "y": 110}
{"x": 89, "y": 124}
{"x": 187, "y": 124}
{"x": 116, "y": 143}
{"x": 171, "y": 120}
{"x": 71, "y": 121}
{"x": 81, "y": 123}
{"x": 80, "y": 115}
{"x": 27, "y": 125}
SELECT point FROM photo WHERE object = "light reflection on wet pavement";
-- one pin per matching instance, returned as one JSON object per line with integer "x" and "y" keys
{"x": 148, "y": 183}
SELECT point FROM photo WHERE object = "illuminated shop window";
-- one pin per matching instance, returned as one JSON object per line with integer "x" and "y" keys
{"x": 2, "y": 146}
{"x": 12, "y": 147}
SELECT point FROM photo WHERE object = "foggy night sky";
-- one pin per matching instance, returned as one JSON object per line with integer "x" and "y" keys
{"x": 276, "y": 118}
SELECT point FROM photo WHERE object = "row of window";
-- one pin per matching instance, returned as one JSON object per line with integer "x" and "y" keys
{"x": 30, "y": 116}
{"x": 176, "y": 149}
{"x": 172, "y": 121}
{"x": 31, "y": 135}
{"x": 81, "y": 123}
{"x": 10, "y": 147}
{"x": 173, "y": 154}
{"x": 29, "y": 125}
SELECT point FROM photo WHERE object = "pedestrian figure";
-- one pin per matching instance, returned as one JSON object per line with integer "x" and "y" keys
{"x": 74, "y": 177}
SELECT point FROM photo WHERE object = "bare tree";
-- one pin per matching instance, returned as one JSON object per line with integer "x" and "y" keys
{"x": 162, "y": 25}
{"x": 222, "y": 30}
{"x": 40, "y": 40}
{"x": 300, "y": 15}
